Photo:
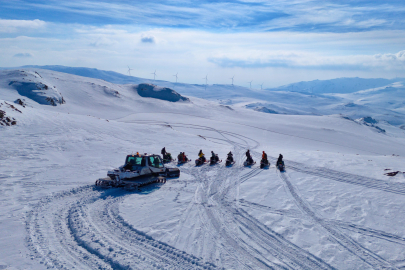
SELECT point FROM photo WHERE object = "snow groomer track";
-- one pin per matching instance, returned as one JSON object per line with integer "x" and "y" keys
{"x": 83, "y": 228}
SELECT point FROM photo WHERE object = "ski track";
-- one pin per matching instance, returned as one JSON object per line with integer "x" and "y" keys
{"x": 345, "y": 241}
{"x": 82, "y": 228}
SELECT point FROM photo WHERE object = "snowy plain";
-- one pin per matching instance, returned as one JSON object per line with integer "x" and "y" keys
{"x": 333, "y": 208}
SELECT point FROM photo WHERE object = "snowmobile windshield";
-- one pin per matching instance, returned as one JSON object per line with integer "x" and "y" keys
{"x": 155, "y": 161}
{"x": 134, "y": 160}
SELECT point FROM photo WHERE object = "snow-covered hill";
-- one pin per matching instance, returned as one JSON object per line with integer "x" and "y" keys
{"x": 334, "y": 207}
{"x": 355, "y": 98}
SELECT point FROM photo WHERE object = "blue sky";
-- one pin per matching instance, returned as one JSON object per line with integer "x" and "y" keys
{"x": 271, "y": 42}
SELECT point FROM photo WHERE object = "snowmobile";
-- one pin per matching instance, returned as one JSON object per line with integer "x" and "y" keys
{"x": 214, "y": 160}
{"x": 229, "y": 161}
{"x": 179, "y": 162}
{"x": 200, "y": 161}
{"x": 264, "y": 163}
{"x": 167, "y": 158}
{"x": 182, "y": 160}
{"x": 280, "y": 166}
{"x": 139, "y": 170}
{"x": 249, "y": 162}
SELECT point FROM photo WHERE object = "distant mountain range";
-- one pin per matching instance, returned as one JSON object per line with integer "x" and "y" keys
{"x": 339, "y": 85}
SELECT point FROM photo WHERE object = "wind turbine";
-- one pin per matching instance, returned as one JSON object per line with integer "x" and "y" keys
{"x": 154, "y": 74}
{"x": 232, "y": 79}
{"x": 176, "y": 76}
{"x": 129, "y": 70}
{"x": 261, "y": 86}
{"x": 250, "y": 84}
{"x": 206, "y": 80}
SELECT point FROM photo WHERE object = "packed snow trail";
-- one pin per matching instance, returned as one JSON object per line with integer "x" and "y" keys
{"x": 82, "y": 228}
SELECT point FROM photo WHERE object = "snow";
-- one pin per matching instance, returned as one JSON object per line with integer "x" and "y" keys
{"x": 334, "y": 207}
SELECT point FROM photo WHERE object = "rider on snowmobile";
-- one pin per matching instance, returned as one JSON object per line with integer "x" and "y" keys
{"x": 249, "y": 157}
{"x": 214, "y": 157}
{"x": 184, "y": 157}
{"x": 280, "y": 159}
{"x": 201, "y": 156}
{"x": 230, "y": 156}
{"x": 180, "y": 156}
{"x": 264, "y": 156}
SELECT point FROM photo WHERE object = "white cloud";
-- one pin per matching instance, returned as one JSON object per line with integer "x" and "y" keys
{"x": 23, "y": 55}
{"x": 273, "y": 57}
{"x": 11, "y": 26}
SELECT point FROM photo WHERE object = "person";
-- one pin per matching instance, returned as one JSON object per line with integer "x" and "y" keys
{"x": 230, "y": 156}
{"x": 280, "y": 159}
{"x": 180, "y": 156}
{"x": 248, "y": 156}
{"x": 213, "y": 156}
{"x": 137, "y": 153}
{"x": 264, "y": 156}
{"x": 129, "y": 165}
{"x": 163, "y": 152}
{"x": 156, "y": 162}
{"x": 184, "y": 157}
{"x": 201, "y": 155}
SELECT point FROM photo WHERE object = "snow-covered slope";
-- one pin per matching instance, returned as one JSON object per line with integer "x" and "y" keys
{"x": 334, "y": 207}
{"x": 355, "y": 98}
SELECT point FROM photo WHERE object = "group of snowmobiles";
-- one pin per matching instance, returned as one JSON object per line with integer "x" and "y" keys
{"x": 264, "y": 162}
{"x": 144, "y": 169}
{"x": 214, "y": 159}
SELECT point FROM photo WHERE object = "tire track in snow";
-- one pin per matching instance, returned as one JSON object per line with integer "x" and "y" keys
{"x": 368, "y": 182}
{"x": 284, "y": 251}
{"x": 344, "y": 225}
{"x": 251, "y": 241}
{"x": 82, "y": 229}
{"x": 345, "y": 241}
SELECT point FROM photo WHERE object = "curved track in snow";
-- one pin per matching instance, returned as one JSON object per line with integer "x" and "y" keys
{"x": 83, "y": 229}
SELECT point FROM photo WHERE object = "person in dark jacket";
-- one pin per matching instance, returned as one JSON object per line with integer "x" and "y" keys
{"x": 249, "y": 157}
{"x": 163, "y": 152}
{"x": 214, "y": 157}
{"x": 180, "y": 157}
{"x": 280, "y": 159}
{"x": 230, "y": 156}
